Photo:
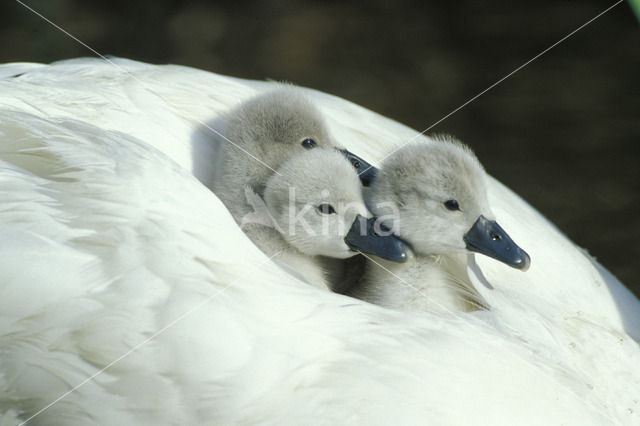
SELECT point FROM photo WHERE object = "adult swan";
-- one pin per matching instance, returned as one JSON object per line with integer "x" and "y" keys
{"x": 128, "y": 295}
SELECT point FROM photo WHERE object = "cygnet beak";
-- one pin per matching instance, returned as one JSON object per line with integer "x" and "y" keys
{"x": 488, "y": 238}
{"x": 362, "y": 237}
{"x": 366, "y": 172}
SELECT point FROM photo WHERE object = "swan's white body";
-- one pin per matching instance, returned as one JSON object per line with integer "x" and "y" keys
{"x": 107, "y": 239}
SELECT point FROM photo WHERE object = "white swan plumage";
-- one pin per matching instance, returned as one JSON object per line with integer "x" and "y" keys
{"x": 111, "y": 247}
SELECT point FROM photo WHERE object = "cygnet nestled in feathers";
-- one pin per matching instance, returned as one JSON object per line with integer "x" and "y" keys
{"x": 261, "y": 134}
{"x": 433, "y": 195}
{"x": 316, "y": 208}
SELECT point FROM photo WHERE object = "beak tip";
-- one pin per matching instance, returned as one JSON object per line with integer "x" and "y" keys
{"x": 406, "y": 255}
{"x": 400, "y": 258}
{"x": 524, "y": 263}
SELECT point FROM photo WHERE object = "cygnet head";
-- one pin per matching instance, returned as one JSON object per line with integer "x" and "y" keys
{"x": 278, "y": 124}
{"x": 316, "y": 201}
{"x": 433, "y": 195}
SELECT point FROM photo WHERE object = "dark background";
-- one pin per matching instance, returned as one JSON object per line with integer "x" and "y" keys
{"x": 562, "y": 132}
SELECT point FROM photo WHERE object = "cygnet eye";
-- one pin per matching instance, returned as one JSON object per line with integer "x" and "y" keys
{"x": 355, "y": 163}
{"x": 452, "y": 205}
{"x": 308, "y": 143}
{"x": 326, "y": 209}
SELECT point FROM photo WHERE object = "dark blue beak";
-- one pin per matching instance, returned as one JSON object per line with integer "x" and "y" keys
{"x": 362, "y": 237}
{"x": 488, "y": 238}
{"x": 365, "y": 171}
